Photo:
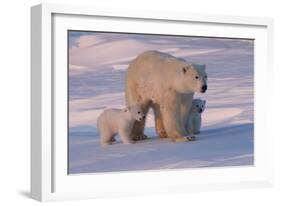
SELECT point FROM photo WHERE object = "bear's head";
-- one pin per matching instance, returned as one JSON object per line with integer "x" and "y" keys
{"x": 192, "y": 78}
{"x": 136, "y": 112}
{"x": 198, "y": 105}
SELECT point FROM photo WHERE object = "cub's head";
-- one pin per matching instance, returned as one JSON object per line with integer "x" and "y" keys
{"x": 198, "y": 105}
{"x": 193, "y": 78}
{"x": 136, "y": 112}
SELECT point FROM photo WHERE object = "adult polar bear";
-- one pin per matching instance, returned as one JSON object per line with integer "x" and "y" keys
{"x": 166, "y": 84}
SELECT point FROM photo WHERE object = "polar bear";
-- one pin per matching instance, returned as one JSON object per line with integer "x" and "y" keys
{"x": 166, "y": 84}
{"x": 193, "y": 122}
{"x": 121, "y": 121}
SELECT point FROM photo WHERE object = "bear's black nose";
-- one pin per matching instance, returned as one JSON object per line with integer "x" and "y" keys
{"x": 200, "y": 110}
{"x": 204, "y": 88}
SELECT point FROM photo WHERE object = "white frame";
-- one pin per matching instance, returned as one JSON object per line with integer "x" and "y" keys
{"x": 45, "y": 176}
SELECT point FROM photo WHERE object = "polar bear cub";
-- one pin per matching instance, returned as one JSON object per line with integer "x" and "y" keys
{"x": 118, "y": 121}
{"x": 193, "y": 123}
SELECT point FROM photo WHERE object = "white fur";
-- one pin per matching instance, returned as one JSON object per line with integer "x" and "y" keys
{"x": 167, "y": 84}
{"x": 116, "y": 121}
{"x": 194, "y": 120}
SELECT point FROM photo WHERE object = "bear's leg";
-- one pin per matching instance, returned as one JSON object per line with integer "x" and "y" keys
{"x": 172, "y": 121}
{"x": 159, "y": 122}
{"x": 133, "y": 98}
{"x": 172, "y": 127}
{"x": 138, "y": 131}
{"x": 138, "y": 128}
{"x": 190, "y": 125}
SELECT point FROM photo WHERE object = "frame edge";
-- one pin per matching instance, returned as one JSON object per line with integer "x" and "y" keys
{"x": 36, "y": 100}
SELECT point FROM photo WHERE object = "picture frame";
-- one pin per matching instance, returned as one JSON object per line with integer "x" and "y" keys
{"x": 49, "y": 177}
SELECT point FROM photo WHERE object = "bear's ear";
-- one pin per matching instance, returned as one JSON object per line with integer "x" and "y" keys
{"x": 184, "y": 69}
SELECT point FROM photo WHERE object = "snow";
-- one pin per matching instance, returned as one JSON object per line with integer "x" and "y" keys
{"x": 98, "y": 63}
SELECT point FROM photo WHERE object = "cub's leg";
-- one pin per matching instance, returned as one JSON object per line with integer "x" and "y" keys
{"x": 106, "y": 135}
{"x": 106, "y": 138}
{"x": 190, "y": 125}
{"x": 197, "y": 125}
{"x": 125, "y": 135}
{"x": 185, "y": 107}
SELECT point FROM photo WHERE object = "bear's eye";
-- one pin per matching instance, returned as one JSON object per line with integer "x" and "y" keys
{"x": 196, "y": 77}
{"x": 197, "y": 106}
{"x": 138, "y": 112}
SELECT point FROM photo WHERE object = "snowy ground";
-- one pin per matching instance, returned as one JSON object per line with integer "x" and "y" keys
{"x": 98, "y": 64}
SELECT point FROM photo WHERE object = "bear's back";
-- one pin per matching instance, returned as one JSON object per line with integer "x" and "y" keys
{"x": 112, "y": 115}
{"x": 158, "y": 56}
{"x": 154, "y": 63}
{"x": 114, "y": 112}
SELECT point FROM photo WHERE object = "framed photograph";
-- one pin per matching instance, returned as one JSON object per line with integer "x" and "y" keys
{"x": 137, "y": 102}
